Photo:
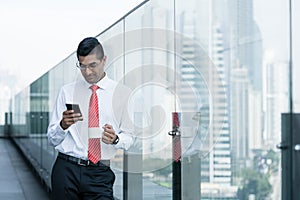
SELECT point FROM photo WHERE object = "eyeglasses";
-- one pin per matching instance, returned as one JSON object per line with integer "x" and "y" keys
{"x": 90, "y": 66}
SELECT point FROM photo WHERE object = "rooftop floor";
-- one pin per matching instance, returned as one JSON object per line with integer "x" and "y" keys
{"x": 17, "y": 179}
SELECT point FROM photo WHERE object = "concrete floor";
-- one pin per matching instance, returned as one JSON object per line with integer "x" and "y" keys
{"x": 17, "y": 179}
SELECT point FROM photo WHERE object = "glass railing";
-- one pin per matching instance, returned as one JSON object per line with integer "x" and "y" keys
{"x": 222, "y": 65}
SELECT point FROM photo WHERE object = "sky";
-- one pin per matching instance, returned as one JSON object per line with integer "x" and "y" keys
{"x": 35, "y": 35}
{"x": 272, "y": 17}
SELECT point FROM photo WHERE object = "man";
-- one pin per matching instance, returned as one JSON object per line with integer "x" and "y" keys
{"x": 88, "y": 138}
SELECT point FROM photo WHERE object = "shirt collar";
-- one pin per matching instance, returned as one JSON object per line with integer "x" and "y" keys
{"x": 103, "y": 83}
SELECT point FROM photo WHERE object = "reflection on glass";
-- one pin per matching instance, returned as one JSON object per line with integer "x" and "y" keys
{"x": 149, "y": 72}
{"x": 222, "y": 64}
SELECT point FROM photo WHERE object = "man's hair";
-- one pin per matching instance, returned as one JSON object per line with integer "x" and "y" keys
{"x": 90, "y": 45}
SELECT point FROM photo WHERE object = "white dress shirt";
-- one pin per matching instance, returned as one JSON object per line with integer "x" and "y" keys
{"x": 113, "y": 110}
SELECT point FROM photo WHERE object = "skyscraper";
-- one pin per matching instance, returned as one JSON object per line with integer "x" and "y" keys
{"x": 239, "y": 96}
{"x": 245, "y": 79}
{"x": 275, "y": 99}
{"x": 221, "y": 151}
{"x": 206, "y": 73}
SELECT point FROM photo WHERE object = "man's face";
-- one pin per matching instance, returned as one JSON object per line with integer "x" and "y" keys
{"x": 93, "y": 68}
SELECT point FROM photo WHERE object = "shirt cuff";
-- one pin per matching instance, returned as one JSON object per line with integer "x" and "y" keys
{"x": 125, "y": 141}
{"x": 61, "y": 131}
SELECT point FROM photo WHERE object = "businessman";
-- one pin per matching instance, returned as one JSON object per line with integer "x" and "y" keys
{"x": 88, "y": 137}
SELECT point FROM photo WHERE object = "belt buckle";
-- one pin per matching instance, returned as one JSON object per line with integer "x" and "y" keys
{"x": 83, "y": 164}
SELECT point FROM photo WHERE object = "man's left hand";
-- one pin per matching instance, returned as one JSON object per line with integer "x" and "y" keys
{"x": 109, "y": 134}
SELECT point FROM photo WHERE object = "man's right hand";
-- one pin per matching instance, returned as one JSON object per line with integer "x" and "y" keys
{"x": 69, "y": 118}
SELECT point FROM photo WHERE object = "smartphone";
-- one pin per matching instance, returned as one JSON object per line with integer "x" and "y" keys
{"x": 74, "y": 107}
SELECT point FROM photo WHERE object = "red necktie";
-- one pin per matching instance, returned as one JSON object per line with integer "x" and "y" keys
{"x": 94, "y": 151}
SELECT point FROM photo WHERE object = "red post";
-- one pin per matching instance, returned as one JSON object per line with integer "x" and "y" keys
{"x": 176, "y": 164}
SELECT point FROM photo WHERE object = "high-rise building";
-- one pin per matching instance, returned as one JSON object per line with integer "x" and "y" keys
{"x": 206, "y": 75}
{"x": 239, "y": 97}
{"x": 255, "y": 123}
{"x": 275, "y": 100}
{"x": 246, "y": 83}
{"x": 246, "y": 43}
{"x": 221, "y": 151}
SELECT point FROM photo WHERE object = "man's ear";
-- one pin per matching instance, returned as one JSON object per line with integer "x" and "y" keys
{"x": 104, "y": 59}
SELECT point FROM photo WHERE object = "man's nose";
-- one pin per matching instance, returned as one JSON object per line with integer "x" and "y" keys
{"x": 88, "y": 71}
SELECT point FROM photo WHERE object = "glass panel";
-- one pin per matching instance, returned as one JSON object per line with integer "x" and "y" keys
{"x": 204, "y": 112}
{"x": 112, "y": 41}
{"x": 71, "y": 72}
{"x": 296, "y": 59}
{"x": 113, "y": 44}
{"x": 19, "y": 112}
{"x": 246, "y": 75}
{"x": 275, "y": 94}
{"x": 149, "y": 72}
{"x": 56, "y": 81}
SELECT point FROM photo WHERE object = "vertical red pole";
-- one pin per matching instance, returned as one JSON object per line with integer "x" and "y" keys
{"x": 176, "y": 164}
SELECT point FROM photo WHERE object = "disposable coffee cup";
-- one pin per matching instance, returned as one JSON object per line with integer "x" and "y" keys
{"x": 95, "y": 132}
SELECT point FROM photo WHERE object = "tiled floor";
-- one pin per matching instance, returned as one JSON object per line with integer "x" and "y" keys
{"x": 17, "y": 179}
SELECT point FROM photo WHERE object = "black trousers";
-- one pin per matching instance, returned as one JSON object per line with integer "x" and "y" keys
{"x": 72, "y": 181}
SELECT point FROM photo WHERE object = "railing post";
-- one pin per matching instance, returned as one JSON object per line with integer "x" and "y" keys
{"x": 176, "y": 160}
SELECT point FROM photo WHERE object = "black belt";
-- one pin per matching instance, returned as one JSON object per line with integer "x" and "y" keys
{"x": 82, "y": 162}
